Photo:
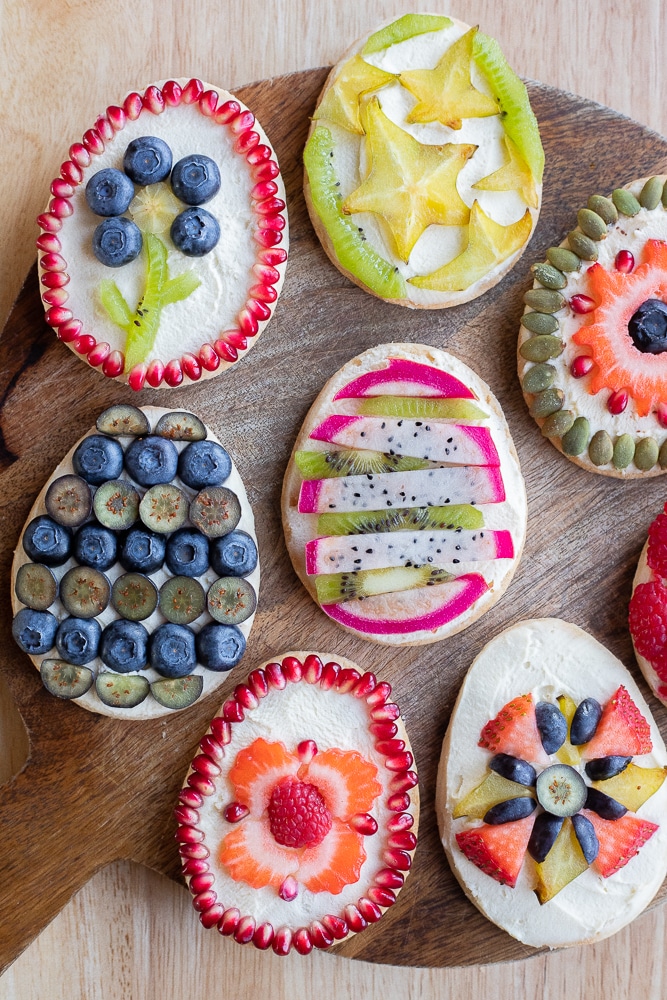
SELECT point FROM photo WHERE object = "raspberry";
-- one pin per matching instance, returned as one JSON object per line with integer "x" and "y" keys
{"x": 648, "y": 624}
{"x": 657, "y": 545}
{"x": 298, "y": 815}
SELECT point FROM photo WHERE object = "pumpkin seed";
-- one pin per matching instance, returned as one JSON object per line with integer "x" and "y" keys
{"x": 546, "y": 403}
{"x": 650, "y": 195}
{"x": 624, "y": 449}
{"x": 646, "y": 453}
{"x": 558, "y": 424}
{"x": 664, "y": 195}
{"x": 575, "y": 440}
{"x": 601, "y": 449}
{"x": 549, "y": 276}
{"x": 662, "y": 455}
{"x": 541, "y": 348}
{"x": 544, "y": 300}
{"x": 604, "y": 207}
{"x": 563, "y": 259}
{"x": 582, "y": 245}
{"x": 626, "y": 203}
{"x": 538, "y": 322}
{"x": 538, "y": 378}
{"x": 591, "y": 224}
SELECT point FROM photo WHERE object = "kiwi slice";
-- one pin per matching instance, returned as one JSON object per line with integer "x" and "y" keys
{"x": 134, "y": 596}
{"x": 121, "y": 690}
{"x": 164, "y": 508}
{"x": 84, "y": 592}
{"x": 329, "y": 464}
{"x": 231, "y": 600}
{"x": 177, "y": 692}
{"x": 116, "y": 504}
{"x": 64, "y": 680}
{"x": 368, "y": 522}
{"x": 182, "y": 600}
{"x": 215, "y": 511}
{"x": 352, "y": 252}
{"x": 421, "y": 406}
{"x": 179, "y": 425}
{"x": 405, "y": 27}
{"x": 122, "y": 418}
{"x": 332, "y": 588}
{"x": 68, "y": 500}
{"x": 36, "y": 586}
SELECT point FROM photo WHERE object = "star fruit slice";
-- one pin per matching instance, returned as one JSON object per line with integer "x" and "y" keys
{"x": 341, "y": 101}
{"x": 515, "y": 175}
{"x": 564, "y": 862}
{"x": 405, "y": 27}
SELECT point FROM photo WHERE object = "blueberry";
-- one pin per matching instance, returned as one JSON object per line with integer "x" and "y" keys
{"x": 602, "y": 768}
{"x": 117, "y": 241}
{"x": 204, "y": 463}
{"x": 195, "y": 179}
{"x": 151, "y": 460}
{"x": 587, "y": 837}
{"x": 195, "y": 232}
{"x": 47, "y": 542}
{"x": 552, "y": 725}
{"x": 172, "y": 650}
{"x": 220, "y": 647}
{"x": 510, "y": 810}
{"x": 142, "y": 551}
{"x": 585, "y": 721}
{"x": 513, "y": 768}
{"x": 78, "y": 639}
{"x": 109, "y": 192}
{"x": 604, "y": 805}
{"x": 235, "y": 554}
{"x": 648, "y": 327}
{"x": 187, "y": 553}
{"x": 34, "y": 631}
{"x": 147, "y": 160}
{"x": 95, "y": 546}
{"x": 124, "y": 646}
{"x": 97, "y": 459}
{"x": 543, "y": 835}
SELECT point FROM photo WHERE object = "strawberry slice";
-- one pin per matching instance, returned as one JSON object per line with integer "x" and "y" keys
{"x": 514, "y": 731}
{"x": 499, "y": 850}
{"x": 622, "y": 730}
{"x": 619, "y": 839}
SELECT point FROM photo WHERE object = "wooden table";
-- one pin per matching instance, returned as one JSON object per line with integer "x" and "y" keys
{"x": 131, "y": 933}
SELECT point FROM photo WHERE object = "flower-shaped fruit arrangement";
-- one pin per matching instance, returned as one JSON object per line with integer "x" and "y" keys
{"x": 648, "y": 608}
{"x": 569, "y": 793}
{"x": 298, "y": 817}
{"x": 162, "y": 251}
{"x": 593, "y": 337}
{"x": 135, "y": 581}
{"x": 404, "y": 508}
{"x": 424, "y": 163}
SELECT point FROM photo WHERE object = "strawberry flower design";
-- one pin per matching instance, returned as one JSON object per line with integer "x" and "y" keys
{"x": 301, "y": 817}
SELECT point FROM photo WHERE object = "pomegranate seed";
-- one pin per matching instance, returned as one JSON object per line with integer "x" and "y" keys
{"x": 99, "y": 354}
{"x": 306, "y": 750}
{"x": 302, "y": 941}
{"x": 201, "y": 783}
{"x": 292, "y": 669}
{"x": 624, "y": 261}
{"x": 199, "y": 883}
{"x": 56, "y": 316}
{"x": 79, "y": 155}
{"x": 194, "y": 866}
{"x": 260, "y": 310}
{"x": 132, "y": 106}
{"x": 367, "y": 684}
{"x": 204, "y": 900}
{"x": 203, "y": 764}
{"x": 71, "y": 172}
{"x": 245, "y": 696}
{"x": 232, "y": 711}
{"x": 363, "y": 823}
{"x": 55, "y": 296}
{"x": 267, "y": 237}
{"x": 114, "y": 364}
{"x": 618, "y": 401}
{"x": 581, "y": 366}
{"x": 398, "y": 802}
{"x": 69, "y": 332}
{"x": 61, "y": 188}
{"x": 246, "y": 141}
{"x": 258, "y": 683}
{"x": 404, "y": 840}
{"x": 270, "y": 206}
{"x": 236, "y": 339}
{"x": 221, "y": 730}
{"x": 400, "y": 762}
{"x": 225, "y": 351}
{"x": 155, "y": 373}
{"x": 383, "y": 730}
{"x": 61, "y": 208}
{"x": 275, "y": 676}
{"x": 282, "y": 942}
{"x": 390, "y": 747}
{"x": 191, "y": 367}
{"x": 153, "y": 100}
{"x": 661, "y": 414}
{"x": 320, "y": 936}
{"x": 273, "y": 256}
{"x": 235, "y": 812}
{"x": 336, "y": 926}
{"x": 402, "y": 822}
{"x": 229, "y": 921}
{"x": 242, "y": 122}
{"x": 197, "y": 851}
{"x": 137, "y": 377}
{"x": 379, "y": 695}
{"x": 103, "y": 126}
{"x": 329, "y": 676}
{"x": 211, "y": 916}
{"x": 248, "y": 323}
{"x": 117, "y": 117}
{"x": 263, "y": 936}
{"x": 229, "y": 110}
{"x": 265, "y": 171}
{"x": 267, "y": 275}
{"x": 347, "y": 680}
{"x": 208, "y": 103}
{"x": 173, "y": 373}
{"x": 389, "y": 878}
{"x": 189, "y": 797}
{"x": 208, "y": 357}
{"x": 172, "y": 93}
{"x": 53, "y": 262}
{"x": 48, "y": 243}
{"x": 185, "y": 815}
{"x": 84, "y": 343}
{"x": 273, "y": 222}
{"x": 354, "y": 919}
{"x": 312, "y": 669}
{"x": 263, "y": 190}
{"x": 404, "y": 781}
{"x": 385, "y": 713}
{"x": 259, "y": 154}
{"x": 397, "y": 859}
{"x": 210, "y": 746}
{"x": 50, "y": 223}
{"x": 93, "y": 141}
{"x": 55, "y": 279}
{"x": 582, "y": 304}
{"x": 380, "y": 896}
{"x": 369, "y": 910}
{"x": 289, "y": 889}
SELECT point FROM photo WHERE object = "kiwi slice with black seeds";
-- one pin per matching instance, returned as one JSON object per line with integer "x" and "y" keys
{"x": 231, "y": 600}
{"x": 215, "y": 511}
{"x": 84, "y": 592}
{"x": 134, "y": 596}
{"x": 164, "y": 508}
{"x": 366, "y": 522}
{"x": 178, "y": 692}
{"x": 68, "y": 500}
{"x": 122, "y": 418}
{"x": 64, "y": 680}
{"x": 182, "y": 600}
{"x": 36, "y": 586}
{"x": 330, "y": 464}
{"x": 179, "y": 425}
{"x": 121, "y": 690}
{"x": 116, "y": 504}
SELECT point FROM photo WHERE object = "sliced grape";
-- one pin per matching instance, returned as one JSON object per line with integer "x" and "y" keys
{"x": 182, "y": 600}
{"x": 400, "y": 519}
{"x": 231, "y": 600}
{"x": 177, "y": 692}
{"x": 405, "y": 27}
{"x": 116, "y": 504}
{"x": 84, "y": 592}
{"x": 333, "y": 588}
{"x": 36, "y": 586}
{"x": 121, "y": 690}
{"x": 179, "y": 425}
{"x": 122, "y": 418}
{"x": 215, "y": 511}
{"x": 134, "y": 596}
{"x": 64, "y": 680}
{"x": 327, "y": 464}
{"x": 420, "y": 406}
{"x": 164, "y": 508}
{"x": 68, "y": 500}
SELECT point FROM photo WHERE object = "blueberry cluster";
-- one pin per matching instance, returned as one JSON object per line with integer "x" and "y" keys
{"x": 182, "y": 530}
{"x": 195, "y": 179}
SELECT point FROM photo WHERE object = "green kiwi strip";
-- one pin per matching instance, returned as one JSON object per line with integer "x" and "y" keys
{"x": 333, "y": 588}
{"x": 405, "y": 27}
{"x": 401, "y": 519}
{"x": 333, "y": 464}
{"x": 420, "y": 406}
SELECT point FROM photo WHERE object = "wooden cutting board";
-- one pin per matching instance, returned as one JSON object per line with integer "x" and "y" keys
{"x": 94, "y": 789}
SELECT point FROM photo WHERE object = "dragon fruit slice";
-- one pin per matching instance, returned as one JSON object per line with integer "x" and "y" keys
{"x": 421, "y": 488}
{"x": 412, "y": 610}
{"x": 435, "y": 441}
{"x": 347, "y": 554}
{"x": 405, "y": 378}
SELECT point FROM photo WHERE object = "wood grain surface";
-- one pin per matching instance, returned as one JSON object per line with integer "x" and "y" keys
{"x": 129, "y": 932}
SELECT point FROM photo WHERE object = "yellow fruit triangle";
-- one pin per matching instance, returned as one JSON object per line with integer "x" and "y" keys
{"x": 564, "y": 862}
{"x": 494, "y": 789}
{"x": 446, "y": 94}
{"x": 512, "y": 176}
{"x": 341, "y": 101}
{"x": 409, "y": 184}
{"x": 488, "y": 244}
{"x": 633, "y": 786}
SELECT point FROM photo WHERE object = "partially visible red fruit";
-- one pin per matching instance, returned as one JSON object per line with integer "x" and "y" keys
{"x": 622, "y": 730}
{"x": 498, "y": 850}
{"x": 656, "y": 555}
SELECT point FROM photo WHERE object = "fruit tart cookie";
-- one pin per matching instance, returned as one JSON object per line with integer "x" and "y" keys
{"x": 404, "y": 508}
{"x": 162, "y": 251}
{"x": 551, "y": 800}
{"x": 298, "y": 817}
{"x": 593, "y": 338}
{"x": 135, "y": 580}
{"x": 423, "y": 167}
{"x": 648, "y": 608}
